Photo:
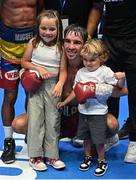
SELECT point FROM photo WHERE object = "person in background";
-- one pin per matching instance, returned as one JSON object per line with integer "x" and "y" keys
{"x": 93, "y": 111}
{"x": 69, "y": 11}
{"x": 44, "y": 54}
{"x": 119, "y": 35}
{"x": 17, "y": 26}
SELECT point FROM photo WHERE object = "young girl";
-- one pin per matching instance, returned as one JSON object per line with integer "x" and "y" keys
{"x": 93, "y": 113}
{"x": 43, "y": 54}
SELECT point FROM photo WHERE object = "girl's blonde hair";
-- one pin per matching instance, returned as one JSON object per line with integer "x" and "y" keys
{"x": 95, "y": 48}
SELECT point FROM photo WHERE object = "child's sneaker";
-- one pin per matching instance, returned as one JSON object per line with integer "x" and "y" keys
{"x": 101, "y": 168}
{"x": 56, "y": 163}
{"x": 37, "y": 164}
{"x": 87, "y": 162}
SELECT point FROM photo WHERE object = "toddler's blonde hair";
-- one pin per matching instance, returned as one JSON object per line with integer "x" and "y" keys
{"x": 95, "y": 48}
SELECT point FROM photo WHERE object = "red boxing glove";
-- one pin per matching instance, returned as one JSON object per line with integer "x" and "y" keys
{"x": 84, "y": 91}
{"x": 30, "y": 80}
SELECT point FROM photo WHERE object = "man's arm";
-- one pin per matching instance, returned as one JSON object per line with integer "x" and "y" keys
{"x": 117, "y": 92}
{"x": 94, "y": 17}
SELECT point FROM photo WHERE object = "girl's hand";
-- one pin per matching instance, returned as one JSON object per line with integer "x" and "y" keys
{"x": 60, "y": 105}
{"x": 44, "y": 74}
{"x": 57, "y": 91}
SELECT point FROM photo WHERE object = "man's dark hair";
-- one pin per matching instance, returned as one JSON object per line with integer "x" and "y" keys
{"x": 77, "y": 30}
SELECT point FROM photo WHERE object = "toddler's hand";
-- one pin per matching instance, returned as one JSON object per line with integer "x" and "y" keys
{"x": 60, "y": 105}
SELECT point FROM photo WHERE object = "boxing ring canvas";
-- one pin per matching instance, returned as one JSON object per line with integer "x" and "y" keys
{"x": 72, "y": 156}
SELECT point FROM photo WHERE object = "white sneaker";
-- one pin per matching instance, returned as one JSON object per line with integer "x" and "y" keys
{"x": 111, "y": 142}
{"x": 56, "y": 163}
{"x": 131, "y": 153}
{"x": 37, "y": 164}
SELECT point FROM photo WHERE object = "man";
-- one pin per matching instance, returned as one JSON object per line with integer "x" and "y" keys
{"x": 17, "y": 26}
{"x": 120, "y": 37}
